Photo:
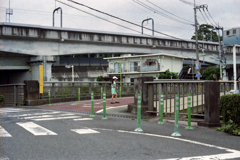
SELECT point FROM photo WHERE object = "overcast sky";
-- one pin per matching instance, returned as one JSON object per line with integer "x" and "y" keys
{"x": 39, "y": 12}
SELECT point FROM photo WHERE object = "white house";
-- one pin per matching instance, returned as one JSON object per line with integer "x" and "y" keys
{"x": 143, "y": 65}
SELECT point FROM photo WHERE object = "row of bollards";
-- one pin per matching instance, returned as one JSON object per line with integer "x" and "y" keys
{"x": 139, "y": 129}
{"x": 177, "y": 104}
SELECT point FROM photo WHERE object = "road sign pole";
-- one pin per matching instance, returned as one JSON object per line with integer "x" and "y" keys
{"x": 104, "y": 106}
{"x": 49, "y": 97}
{"x": 161, "y": 110}
{"x": 176, "y": 133}
{"x": 189, "y": 112}
{"x": 101, "y": 93}
{"x": 138, "y": 129}
{"x": 92, "y": 105}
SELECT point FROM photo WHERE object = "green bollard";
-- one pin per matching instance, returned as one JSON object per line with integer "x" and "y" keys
{"x": 176, "y": 133}
{"x": 101, "y": 94}
{"x": 138, "y": 129}
{"x": 79, "y": 94}
{"x": 161, "y": 110}
{"x": 189, "y": 112}
{"x": 49, "y": 96}
{"x": 92, "y": 105}
{"x": 104, "y": 106}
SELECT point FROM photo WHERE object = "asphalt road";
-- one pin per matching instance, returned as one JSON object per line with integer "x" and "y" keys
{"x": 38, "y": 134}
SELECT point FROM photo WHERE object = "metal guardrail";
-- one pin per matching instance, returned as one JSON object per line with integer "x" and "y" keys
{"x": 13, "y": 93}
{"x": 70, "y": 89}
{"x": 183, "y": 88}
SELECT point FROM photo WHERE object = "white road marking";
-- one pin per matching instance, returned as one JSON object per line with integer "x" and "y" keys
{"x": 7, "y": 110}
{"x": 4, "y": 158}
{"x": 36, "y": 129}
{"x": 86, "y": 106}
{"x": 100, "y": 111}
{"x": 84, "y": 131}
{"x": 46, "y": 116}
{"x": 233, "y": 154}
{"x": 25, "y": 115}
{"x": 83, "y": 119}
{"x": 55, "y": 118}
{"x": 4, "y": 133}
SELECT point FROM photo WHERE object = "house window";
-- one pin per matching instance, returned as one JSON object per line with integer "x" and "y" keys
{"x": 150, "y": 62}
{"x": 116, "y": 67}
{"x": 228, "y": 32}
{"x": 133, "y": 66}
{"x": 234, "y": 31}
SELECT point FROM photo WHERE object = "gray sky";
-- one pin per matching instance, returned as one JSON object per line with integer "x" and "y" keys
{"x": 39, "y": 12}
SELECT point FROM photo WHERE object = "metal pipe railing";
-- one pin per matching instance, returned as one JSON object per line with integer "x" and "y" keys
{"x": 59, "y": 8}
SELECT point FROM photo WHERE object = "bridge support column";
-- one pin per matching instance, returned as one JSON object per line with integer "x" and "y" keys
{"x": 47, "y": 62}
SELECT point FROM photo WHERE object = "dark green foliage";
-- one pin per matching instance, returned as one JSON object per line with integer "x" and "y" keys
{"x": 2, "y": 99}
{"x": 230, "y": 110}
{"x": 209, "y": 72}
{"x": 231, "y": 128}
{"x": 167, "y": 75}
{"x": 206, "y": 29}
{"x": 100, "y": 78}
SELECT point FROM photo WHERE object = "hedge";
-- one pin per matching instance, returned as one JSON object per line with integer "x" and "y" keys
{"x": 230, "y": 108}
{"x": 2, "y": 99}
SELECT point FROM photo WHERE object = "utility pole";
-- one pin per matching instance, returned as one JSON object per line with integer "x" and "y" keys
{"x": 196, "y": 29}
{"x": 220, "y": 50}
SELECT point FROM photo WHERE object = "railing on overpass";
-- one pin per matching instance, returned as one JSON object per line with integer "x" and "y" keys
{"x": 13, "y": 94}
{"x": 70, "y": 89}
{"x": 183, "y": 88}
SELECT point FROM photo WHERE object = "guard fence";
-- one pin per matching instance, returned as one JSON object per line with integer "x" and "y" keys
{"x": 70, "y": 89}
{"x": 183, "y": 88}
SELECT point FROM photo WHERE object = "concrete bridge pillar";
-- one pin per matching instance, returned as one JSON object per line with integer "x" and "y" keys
{"x": 47, "y": 62}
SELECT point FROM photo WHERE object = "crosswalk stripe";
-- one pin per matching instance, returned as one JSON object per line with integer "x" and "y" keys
{"x": 55, "y": 118}
{"x": 46, "y": 116}
{"x": 83, "y": 119}
{"x": 84, "y": 131}
{"x": 4, "y": 158}
{"x": 35, "y": 129}
{"x": 4, "y": 133}
{"x": 25, "y": 115}
{"x": 7, "y": 110}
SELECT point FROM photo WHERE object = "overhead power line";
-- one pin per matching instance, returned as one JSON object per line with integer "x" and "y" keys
{"x": 116, "y": 18}
{"x": 160, "y": 13}
{"x": 168, "y": 11}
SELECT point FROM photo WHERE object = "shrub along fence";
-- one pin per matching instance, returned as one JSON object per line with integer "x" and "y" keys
{"x": 230, "y": 111}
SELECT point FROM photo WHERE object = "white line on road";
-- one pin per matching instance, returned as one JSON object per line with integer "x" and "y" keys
{"x": 47, "y": 116}
{"x": 7, "y": 110}
{"x": 83, "y": 119}
{"x": 233, "y": 154}
{"x": 56, "y": 118}
{"x": 25, "y": 115}
{"x": 4, "y": 158}
{"x": 84, "y": 131}
{"x": 4, "y": 133}
{"x": 100, "y": 111}
{"x": 35, "y": 129}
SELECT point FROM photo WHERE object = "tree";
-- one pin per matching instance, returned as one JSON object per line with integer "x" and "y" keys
{"x": 100, "y": 78}
{"x": 167, "y": 75}
{"x": 205, "y": 29}
{"x": 209, "y": 72}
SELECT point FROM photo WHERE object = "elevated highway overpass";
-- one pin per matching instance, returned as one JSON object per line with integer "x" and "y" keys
{"x": 23, "y": 47}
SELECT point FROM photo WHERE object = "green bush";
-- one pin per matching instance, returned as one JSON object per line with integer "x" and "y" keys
{"x": 209, "y": 72}
{"x": 230, "y": 127}
{"x": 230, "y": 111}
{"x": 2, "y": 99}
{"x": 167, "y": 75}
{"x": 230, "y": 108}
